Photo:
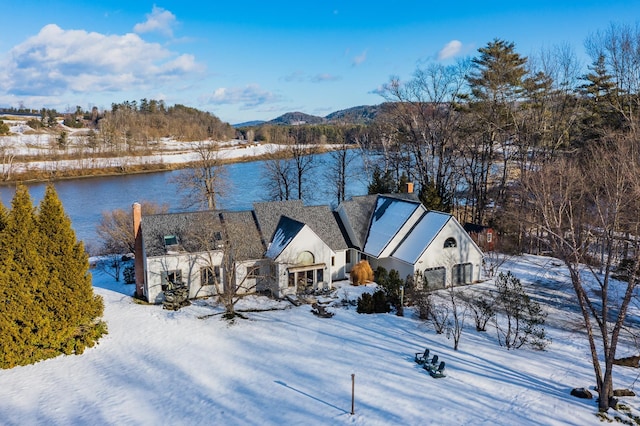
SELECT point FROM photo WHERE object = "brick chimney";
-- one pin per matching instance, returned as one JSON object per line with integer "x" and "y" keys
{"x": 137, "y": 234}
{"x": 409, "y": 187}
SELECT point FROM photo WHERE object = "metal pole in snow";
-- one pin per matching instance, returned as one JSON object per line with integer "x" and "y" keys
{"x": 353, "y": 388}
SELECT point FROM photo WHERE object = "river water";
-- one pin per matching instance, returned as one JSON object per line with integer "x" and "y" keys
{"x": 85, "y": 199}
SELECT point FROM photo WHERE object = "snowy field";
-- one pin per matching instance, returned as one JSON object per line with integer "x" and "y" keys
{"x": 24, "y": 142}
{"x": 289, "y": 367}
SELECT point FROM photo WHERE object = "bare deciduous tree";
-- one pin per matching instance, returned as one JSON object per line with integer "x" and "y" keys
{"x": 585, "y": 206}
{"x": 229, "y": 244}
{"x": 115, "y": 230}
{"x": 339, "y": 170}
{"x": 206, "y": 179}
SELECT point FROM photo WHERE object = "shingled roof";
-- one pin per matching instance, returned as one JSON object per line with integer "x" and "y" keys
{"x": 320, "y": 219}
{"x": 202, "y": 231}
{"x": 358, "y": 211}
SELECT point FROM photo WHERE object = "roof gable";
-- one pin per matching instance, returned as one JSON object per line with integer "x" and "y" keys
{"x": 320, "y": 219}
{"x": 285, "y": 232}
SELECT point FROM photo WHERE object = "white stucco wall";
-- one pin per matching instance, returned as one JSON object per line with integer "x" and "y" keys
{"x": 466, "y": 251}
{"x": 305, "y": 240}
{"x": 339, "y": 268}
{"x": 189, "y": 264}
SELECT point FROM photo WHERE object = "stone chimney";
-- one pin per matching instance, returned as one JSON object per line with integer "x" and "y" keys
{"x": 137, "y": 234}
{"x": 409, "y": 187}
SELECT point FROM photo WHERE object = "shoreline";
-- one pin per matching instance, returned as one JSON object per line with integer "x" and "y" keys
{"x": 39, "y": 176}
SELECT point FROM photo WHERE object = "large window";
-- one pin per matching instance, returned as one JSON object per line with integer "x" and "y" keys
{"x": 435, "y": 277}
{"x": 168, "y": 279}
{"x": 462, "y": 273}
{"x": 209, "y": 275}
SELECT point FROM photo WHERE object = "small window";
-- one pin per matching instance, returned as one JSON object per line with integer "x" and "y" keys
{"x": 169, "y": 279}
{"x": 253, "y": 271}
{"x": 217, "y": 236}
{"x": 450, "y": 242}
{"x": 489, "y": 236}
{"x": 170, "y": 240}
{"x": 333, "y": 261}
{"x": 209, "y": 275}
{"x": 305, "y": 258}
{"x": 348, "y": 257}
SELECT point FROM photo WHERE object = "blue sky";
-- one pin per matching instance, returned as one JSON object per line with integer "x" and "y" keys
{"x": 246, "y": 60}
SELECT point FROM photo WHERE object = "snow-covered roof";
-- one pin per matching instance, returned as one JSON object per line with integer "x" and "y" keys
{"x": 421, "y": 236}
{"x": 286, "y": 231}
{"x": 388, "y": 217}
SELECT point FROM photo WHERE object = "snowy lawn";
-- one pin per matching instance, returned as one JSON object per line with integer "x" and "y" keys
{"x": 287, "y": 366}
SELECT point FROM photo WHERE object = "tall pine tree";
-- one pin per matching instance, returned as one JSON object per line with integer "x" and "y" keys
{"x": 69, "y": 281}
{"x": 47, "y": 306}
{"x": 25, "y": 339}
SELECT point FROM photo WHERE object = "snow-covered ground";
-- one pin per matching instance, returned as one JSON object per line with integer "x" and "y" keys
{"x": 24, "y": 142}
{"x": 287, "y": 366}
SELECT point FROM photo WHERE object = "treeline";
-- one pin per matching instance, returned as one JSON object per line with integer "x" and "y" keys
{"x": 305, "y": 134}
{"x": 133, "y": 123}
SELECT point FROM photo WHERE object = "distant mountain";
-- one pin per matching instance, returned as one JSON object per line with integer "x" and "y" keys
{"x": 294, "y": 118}
{"x": 249, "y": 123}
{"x": 363, "y": 114}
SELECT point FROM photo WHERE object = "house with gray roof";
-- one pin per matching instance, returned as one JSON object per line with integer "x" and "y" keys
{"x": 285, "y": 247}
{"x": 207, "y": 251}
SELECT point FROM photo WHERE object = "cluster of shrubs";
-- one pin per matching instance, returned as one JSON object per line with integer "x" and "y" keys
{"x": 521, "y": 321}
{"x": 389, "y": 294}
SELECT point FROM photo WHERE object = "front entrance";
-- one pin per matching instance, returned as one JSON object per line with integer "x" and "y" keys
{"x": 307, "y": 279}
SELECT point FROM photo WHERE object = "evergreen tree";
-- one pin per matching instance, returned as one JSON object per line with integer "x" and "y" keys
{"x": 381, "y": 183}
{"x": 4, "y": 213}
{"x": 430, "y": 198}
{"x": 599, "y": 92}
{"x": 69, "y": 282}
{"x": 496, "y": 85}
{"x": 47, "y": 305}
{"x": 27, "y": 322}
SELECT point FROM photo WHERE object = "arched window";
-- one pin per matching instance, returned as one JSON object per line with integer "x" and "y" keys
{"x": 450, "y": 242}
{"x": 305, "y": 258}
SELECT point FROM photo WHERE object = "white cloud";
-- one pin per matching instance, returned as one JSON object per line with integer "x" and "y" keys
{"x": 296, "y": 76}
{"x": 357, "y": 60}
{"x": 450, "y": 50}
{"x": 248, "y": 97}
{"x": 380, "y": 90}
{"x": 159, "y": 20}
{"x": 56, "y": 62}
{"x": 323, "y": 77}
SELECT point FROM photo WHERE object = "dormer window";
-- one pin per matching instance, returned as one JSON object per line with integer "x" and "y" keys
{"x": 170, "y": 240}
{"x": 450, "y": 243}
